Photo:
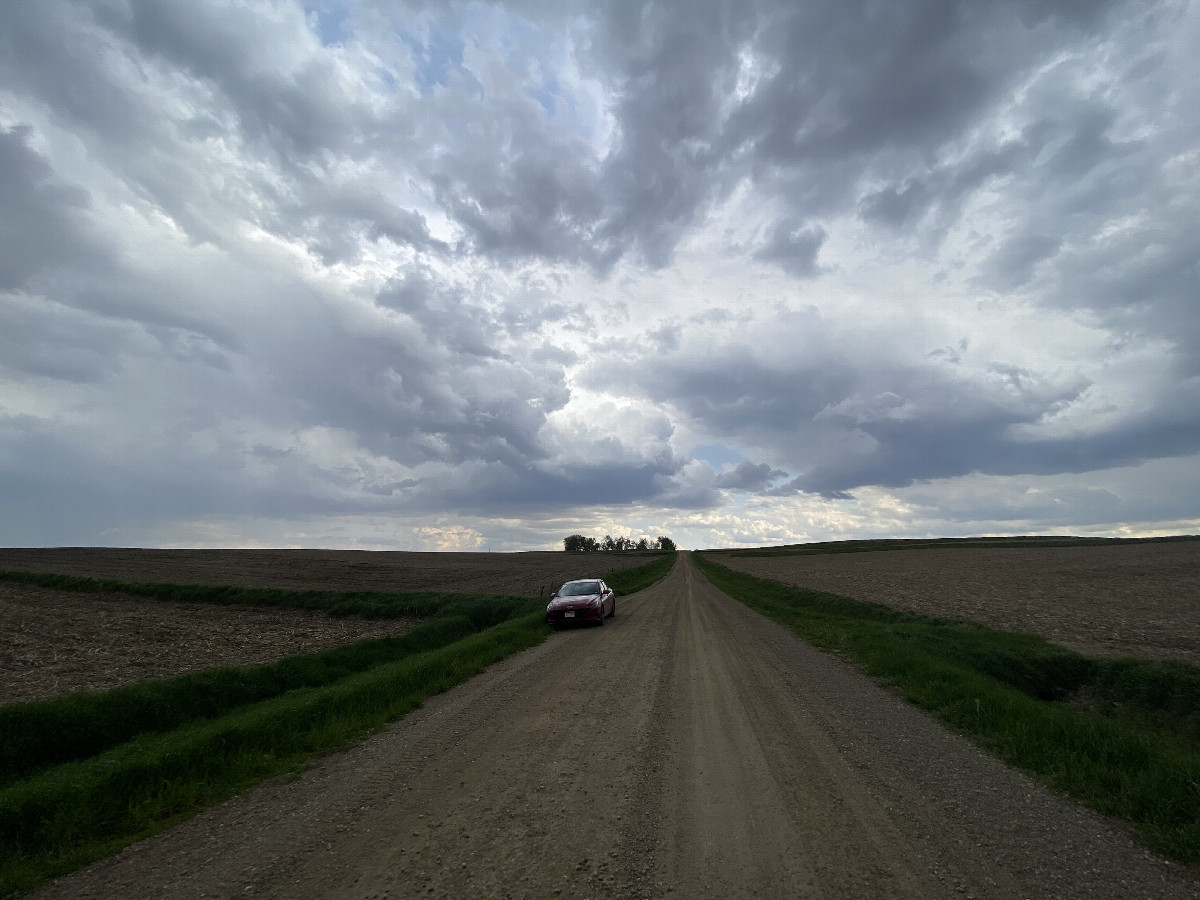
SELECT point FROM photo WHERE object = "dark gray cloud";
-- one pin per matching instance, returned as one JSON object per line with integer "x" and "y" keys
{"x": 839, "y": 423}
{"x": 794, "y": 247}
{"x": 1011, "y": 265}
{"x": 860, "y": 79}
{"x": 747, "y": 476}
{"x": 673, "y": 74}
{"x": 39, "y": 227}
{"x": 294, "y": 106}
{"x": 53, "y": 341}
{"x": 501, "y": 491}
{"x": 896, "y": 206}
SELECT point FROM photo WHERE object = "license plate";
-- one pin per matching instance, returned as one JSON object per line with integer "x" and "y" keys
{"x": 568, "y": 615}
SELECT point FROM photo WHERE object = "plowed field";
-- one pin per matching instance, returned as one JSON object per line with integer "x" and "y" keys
{"x": 1137, "y": 599}
{"x": 522, "y": 574}
{"x": 58, "y": 642}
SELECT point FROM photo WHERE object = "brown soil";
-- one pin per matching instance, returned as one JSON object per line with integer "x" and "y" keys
{"x": 1138, "y": 599}
{"x": 56, "y": 642}
{"x": 522, "y": 574}
{"x": 690, "y": 748}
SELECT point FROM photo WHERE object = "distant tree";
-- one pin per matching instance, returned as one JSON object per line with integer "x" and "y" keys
{"x": 576, "y": 543}
{"x": 579, "y": 543}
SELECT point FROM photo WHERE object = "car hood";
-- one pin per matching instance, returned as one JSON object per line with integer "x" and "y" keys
{"x": 573, "y": 602}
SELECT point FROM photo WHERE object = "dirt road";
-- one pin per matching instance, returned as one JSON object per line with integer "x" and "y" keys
{"x": 689, "y": 748}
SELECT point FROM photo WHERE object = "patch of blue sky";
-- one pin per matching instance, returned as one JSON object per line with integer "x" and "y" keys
{"x": 329, "y": 20}
{"x": 717, "y": 455}
{"x": 545, "y": 97}
{"x": 434, "y": 54}
{"x": 532, "y": 53}
{"x": 386, "y": 77}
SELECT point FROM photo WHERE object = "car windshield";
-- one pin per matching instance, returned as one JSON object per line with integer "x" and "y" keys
{"x": 579, "y": 588}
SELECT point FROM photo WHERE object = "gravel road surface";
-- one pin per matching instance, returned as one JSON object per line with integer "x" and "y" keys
{"x": 690, "y": 749}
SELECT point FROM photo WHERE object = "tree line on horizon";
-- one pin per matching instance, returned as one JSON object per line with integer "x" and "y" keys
{"x": 578, "y": 543}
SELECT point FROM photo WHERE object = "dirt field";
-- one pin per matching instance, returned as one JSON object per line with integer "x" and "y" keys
{"x": 688, "y": 749}
{"x": 1117, "y": 600}
{"x": 57, "y": 642}
{"x": 523, "y": 574}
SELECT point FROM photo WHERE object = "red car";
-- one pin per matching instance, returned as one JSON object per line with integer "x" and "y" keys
{"x": 585, "y": 600}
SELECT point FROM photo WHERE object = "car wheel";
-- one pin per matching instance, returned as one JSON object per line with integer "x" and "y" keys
{"x": 601, "y": 622}
{"x": 614, "y": 612}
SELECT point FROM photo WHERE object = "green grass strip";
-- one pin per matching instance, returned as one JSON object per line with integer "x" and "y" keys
{"x": 78, "y": 812}
{"x": 1118, "y": 735}
{"x": 369, "y": 604}
{"x": 39, "y": 735}
{"x": 35, "y": 736}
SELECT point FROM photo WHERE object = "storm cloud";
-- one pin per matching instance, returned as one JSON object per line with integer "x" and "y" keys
{"x": 342, "y": 273}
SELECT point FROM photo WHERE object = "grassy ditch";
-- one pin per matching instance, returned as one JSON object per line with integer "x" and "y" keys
{"x": 1121, "y": 735}
{"x": 37, "y": 736}
{"x": 72, "y": 814}
{"x": 85, "y": 775}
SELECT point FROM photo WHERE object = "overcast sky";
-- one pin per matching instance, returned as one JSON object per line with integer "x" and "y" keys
{"x": 478, "y": 276}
